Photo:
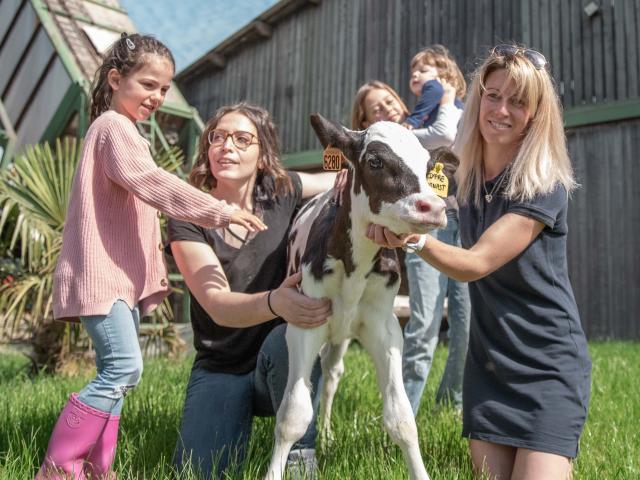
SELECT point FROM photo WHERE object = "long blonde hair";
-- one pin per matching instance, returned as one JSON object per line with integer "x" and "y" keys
{"x": 542, "y": 160}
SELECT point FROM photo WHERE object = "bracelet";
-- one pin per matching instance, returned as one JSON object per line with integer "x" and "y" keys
{"x": 269, "y": 303}
{"x": 415, "y": 247}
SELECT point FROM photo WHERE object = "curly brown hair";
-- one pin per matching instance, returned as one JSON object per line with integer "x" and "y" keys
{"x": 272, "y": 178}
{"x": 126, "y": 55}
{"x": 439, "y": 57}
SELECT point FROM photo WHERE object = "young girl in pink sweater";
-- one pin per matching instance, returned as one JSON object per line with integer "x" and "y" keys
{"x": 111, "y": 271}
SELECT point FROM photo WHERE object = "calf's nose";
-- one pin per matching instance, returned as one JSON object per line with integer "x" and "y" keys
{"x": 423, "y": 206}
{"x": 432, "y": 208}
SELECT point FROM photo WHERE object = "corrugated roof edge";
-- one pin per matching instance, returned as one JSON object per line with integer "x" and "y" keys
{"x": 258, "y": 28}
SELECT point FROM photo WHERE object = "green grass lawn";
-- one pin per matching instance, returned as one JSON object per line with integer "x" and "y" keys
{"x": 610, "y": 447}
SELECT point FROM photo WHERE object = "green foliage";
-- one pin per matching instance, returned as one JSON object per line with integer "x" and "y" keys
{"x": 37, "y": 188}
{"x": 34, "y": 197}
{"x": 361, "y": 450}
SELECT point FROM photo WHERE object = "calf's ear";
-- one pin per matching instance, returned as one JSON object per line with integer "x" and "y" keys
{"x": 448, "y": 159}
{"x": 333, "y": 134}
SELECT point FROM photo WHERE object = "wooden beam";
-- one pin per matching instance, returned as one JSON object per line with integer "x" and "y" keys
{"x": 217, "y": 60}
{"x": 308, "y": 159}
{"x": 601, "y": 113}
{"x": 263, "y": 29}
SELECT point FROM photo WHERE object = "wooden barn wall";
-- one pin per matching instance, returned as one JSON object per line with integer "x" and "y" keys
{"x": 317, "y": 57}
{"x": 604, "y": 228}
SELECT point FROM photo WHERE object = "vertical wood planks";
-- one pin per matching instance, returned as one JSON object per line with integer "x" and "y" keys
{"x": 318, "y": 56}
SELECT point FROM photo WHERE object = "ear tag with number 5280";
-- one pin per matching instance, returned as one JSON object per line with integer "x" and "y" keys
{"x": 438, "y": 181}
{"x": 332, "y": 159}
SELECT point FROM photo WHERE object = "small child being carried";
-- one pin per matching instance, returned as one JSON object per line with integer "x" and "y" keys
{"x": 433, "y": 69}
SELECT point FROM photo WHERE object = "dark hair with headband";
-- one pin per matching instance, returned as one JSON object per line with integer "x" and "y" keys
{"x": 126, "y": 55}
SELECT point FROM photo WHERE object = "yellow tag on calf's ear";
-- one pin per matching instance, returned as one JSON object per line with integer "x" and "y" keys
{"x": 332, "y": 159}
{"x": 438, "y": 181}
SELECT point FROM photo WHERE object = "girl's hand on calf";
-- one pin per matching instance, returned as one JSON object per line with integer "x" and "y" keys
{"x": 296, "y": 308}
{"x": 340, "y": 184}
{"x": 247, "y": 220}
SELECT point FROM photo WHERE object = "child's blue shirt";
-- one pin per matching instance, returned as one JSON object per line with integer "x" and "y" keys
{"x": 426, "y": 110}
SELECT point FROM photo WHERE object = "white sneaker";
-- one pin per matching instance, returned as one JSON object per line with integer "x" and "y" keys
{"x": 302, "y": 464}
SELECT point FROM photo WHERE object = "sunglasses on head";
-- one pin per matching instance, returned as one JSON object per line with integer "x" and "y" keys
{"x": 535, "y": 57}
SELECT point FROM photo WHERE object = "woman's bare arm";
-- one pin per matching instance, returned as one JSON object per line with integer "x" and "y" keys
{"x": 507, "y": 238}
{"x": 203, "y": 274}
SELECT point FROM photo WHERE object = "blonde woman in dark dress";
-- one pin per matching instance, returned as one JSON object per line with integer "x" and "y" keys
{"x": 527, "y": 375}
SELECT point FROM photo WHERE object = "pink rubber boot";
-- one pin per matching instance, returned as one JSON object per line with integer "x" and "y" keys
{"x": 74, "y": 435}
{"x": 98, "y": 465}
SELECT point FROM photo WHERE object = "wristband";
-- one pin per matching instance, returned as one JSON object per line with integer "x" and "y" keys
{"x": 415, "y": 247}
{"x": 269, "y": 303}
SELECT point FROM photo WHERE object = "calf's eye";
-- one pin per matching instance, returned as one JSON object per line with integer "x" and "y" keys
{"x": 373, "y": 161}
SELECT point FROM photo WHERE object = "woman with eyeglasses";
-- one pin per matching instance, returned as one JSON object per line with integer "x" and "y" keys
{"x": 241, "y": 300}
{"x": 527, "y": 375}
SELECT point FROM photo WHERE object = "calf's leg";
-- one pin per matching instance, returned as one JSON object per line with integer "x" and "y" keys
{"x": 296, "y": 409}
{"x": 332, "y": 370}
{"x": 383, "y": 340}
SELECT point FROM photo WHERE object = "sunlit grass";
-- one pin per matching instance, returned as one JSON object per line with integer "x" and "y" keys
{"x": 610, "y": 448}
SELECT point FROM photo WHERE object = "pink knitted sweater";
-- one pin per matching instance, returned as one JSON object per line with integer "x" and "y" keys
{"x": 111, "y": 245}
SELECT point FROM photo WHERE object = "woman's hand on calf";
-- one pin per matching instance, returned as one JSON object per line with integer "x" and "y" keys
{"x": 296, "y": 308}
{"x": 388, "y": 239}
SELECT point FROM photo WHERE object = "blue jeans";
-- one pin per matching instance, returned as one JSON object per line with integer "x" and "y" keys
{"x": 427, "y": 291}
{"x": 219, "y": 409}
{"x": 118, "y": 357}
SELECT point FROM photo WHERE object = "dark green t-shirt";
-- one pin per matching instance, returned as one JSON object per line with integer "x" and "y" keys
{"x": 259, "y": 265}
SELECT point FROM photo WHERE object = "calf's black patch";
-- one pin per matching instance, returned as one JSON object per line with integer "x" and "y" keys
{"x": 386, "y": 263}
{"x": 329, "y": 236}
{"x": 389, "y": 183}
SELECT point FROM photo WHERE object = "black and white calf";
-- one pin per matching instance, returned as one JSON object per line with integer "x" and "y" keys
{"x": 387, "y": 186}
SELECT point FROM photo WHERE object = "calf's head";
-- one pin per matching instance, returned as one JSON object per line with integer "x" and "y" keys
{"x": 389, "y": 170}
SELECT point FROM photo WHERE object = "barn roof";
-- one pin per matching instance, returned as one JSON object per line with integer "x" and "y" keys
{"x": 49, "y": 52}
{"x": 259, "y": 29}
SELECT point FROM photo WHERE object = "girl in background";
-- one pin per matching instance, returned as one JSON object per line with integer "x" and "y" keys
{"x": 432, "y": 69}
{"x": 376, "y": 101}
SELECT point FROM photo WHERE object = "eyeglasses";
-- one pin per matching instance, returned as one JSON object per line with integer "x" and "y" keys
{"x": 242, "y": 140}
{"x": 535, "y": 57}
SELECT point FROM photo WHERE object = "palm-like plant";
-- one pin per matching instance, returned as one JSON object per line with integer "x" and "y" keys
{"x": 37, "y": 189}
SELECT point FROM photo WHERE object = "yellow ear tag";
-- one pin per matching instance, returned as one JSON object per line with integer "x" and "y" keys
{"x": 332, "y": 159}
{"x": 438, "y": 181}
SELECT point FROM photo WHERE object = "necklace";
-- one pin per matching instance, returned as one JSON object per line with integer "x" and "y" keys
{"x": 488, "y": 196}
{"x": 235, "y": 235}
{"x": 237, "y": 239}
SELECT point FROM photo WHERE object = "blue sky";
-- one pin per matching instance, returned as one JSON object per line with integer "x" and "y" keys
{"x": 190, "y": 28}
